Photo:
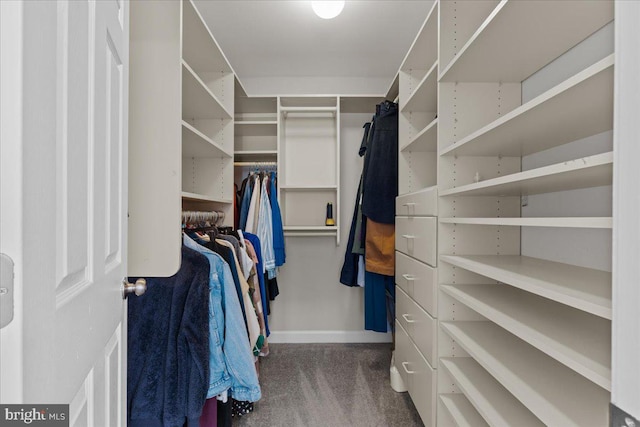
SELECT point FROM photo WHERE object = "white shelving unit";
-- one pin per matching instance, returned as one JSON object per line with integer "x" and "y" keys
{"x": 462, "y": 412}
{"x": 556, "y": 395}
{"x": 181, "y": 156}
{"x": 565, "y": 222}
{"x": 492, "y": 403}
{"x": 573, "y": 337}
{"x": 309, "y": 158}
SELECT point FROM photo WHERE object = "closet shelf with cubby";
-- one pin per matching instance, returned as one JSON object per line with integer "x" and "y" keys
{"x": 591, "y": 171}
{"x": 486, "y": 396}
{"x": 575, "y": 338}
{"x": 462, "y": 411}
{"x": 582, "y": 288}
{"x": 425, "y": 140}
{"x": 198, "y": 102}
{"x": 424, "y": 96}
{"x": 565, "y": 222}
{"x": 193, "y": 197}
{"x": 554, "y": 394}
{"x": 520, "y": 37}
{"x": 578, "y": 107}
{"x": 197, "y": 144}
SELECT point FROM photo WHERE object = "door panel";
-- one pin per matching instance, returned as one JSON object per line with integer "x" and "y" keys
{"x": 72, "y": 186}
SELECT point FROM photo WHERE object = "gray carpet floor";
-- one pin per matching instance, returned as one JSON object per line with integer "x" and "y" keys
{"x": 329, "y": 385}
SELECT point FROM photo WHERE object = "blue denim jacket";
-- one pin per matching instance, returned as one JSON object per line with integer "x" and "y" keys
{"x": 231, "y": 362}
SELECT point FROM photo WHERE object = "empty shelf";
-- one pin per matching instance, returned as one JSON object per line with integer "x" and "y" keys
{"x": 425, "y": 95}
{"x": 492, "y": 401}
{"x": 462, "y": 412}
{"x": 592, "y": 171}
{"x": 576, "y": 108}
{"x": 256, "y": 128}
{"x": 197, "y": 144}
{"x": 555, "y": 394}
{"x": 425, "y": 140}
{"x": 308, "y": 187}
{"x": 520, "y": 37}
{"x": 424, "y": 49}
{"x": 576, "y": 339}
{"x": 202, "y": 198}
{"x": 309, "y": 228}
{"x": 198, "y": 102}
{"x": 586, "y": 289}
{"x": 567, "y": 222}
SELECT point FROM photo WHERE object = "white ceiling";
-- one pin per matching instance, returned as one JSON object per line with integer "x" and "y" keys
{"x": 282, "y": 47}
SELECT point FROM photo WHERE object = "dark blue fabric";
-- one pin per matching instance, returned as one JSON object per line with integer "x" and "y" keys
{"x": 349, "y": 272}
{"x": 246, "y": 201}
{"x": 255, "y": 241}
{"x": 376, "y": 287}
{"x": 380, "y": 180}
{"x": 168, "y": 347}
{"x": 276, "y": 218}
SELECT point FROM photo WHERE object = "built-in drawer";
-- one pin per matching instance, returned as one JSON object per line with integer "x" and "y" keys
{"x": 420, "y": 376}
{"x": 421, "y": 327}
{"x": 416, "y": 237}
{"x": 419, "y": 281}
{"x": 420, "y": 203}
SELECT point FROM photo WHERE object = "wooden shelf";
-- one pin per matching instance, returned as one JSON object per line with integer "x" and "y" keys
{"x": 520, "y": 37}
{"x": 425, "y": 140}
{"x": 197, "y": 144}
{"x": 565, "y": 222}
{"x": 308, "y": 109}
{"x": 576, "y": 339}
{"x": 425, "y": 95}
{"x": 256, "y": 152}
{"x": 491, "y": 401}
{"x": 555, "y": 394}
{"x": 462, "y": 412}
{"x": 592, "y": 171}
{"x": 582, "y": 288}
{"x": 193, "y": 197}
{"x": 580, "y": 106}
{"x": 198, "y": 102}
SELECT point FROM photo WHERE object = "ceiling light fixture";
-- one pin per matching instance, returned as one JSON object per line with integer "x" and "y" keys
{"x": 327, "y": 9}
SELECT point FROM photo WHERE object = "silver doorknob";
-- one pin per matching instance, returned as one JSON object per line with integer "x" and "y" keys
{"x": 138, "y": 288}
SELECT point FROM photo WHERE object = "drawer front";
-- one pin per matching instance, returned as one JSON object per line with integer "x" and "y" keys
{"x": 418, "y": 376}
{"x": 422, "y": 386}
{"x": 419, "y": 281}
{"x": 420, "y": 203}
{"x": 420, "y": 327}
{"x": 416, "y": 237}
{"x": 402, "y": 351}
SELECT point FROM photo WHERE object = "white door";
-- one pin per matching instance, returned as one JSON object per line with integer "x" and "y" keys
{"x": 63, "y": 205}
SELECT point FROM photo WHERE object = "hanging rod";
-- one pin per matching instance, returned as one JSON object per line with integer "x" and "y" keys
{"x": 255, "y": 163}
{"x": 189, "y": 217}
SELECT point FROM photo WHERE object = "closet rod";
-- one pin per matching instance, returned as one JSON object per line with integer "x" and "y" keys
{"x": 255, "y": 164}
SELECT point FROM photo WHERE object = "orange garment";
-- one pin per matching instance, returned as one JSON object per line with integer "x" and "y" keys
{"x": 379, "y": 248}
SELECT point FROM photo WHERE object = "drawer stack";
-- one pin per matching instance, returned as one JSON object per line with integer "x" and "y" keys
{"x": 416, "y": 298}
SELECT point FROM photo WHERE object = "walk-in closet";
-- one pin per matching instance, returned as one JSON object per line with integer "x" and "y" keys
{"x": 336, "y": 213}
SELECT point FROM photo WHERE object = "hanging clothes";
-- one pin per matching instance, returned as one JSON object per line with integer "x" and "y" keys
{"x": 278, "y": 229}
{"x": 265, "y": 232}
{"x": 246, "y": 194}
{"x": 168, "y": 347}
{"x": 254, "y": 207}
{"x": 255, "y": 242}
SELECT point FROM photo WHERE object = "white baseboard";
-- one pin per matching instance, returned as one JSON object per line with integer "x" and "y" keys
{"x": 300, "y": 337}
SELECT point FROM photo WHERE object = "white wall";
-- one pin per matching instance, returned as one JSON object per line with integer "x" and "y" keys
{"x": 313, "y": 306}
{"x": 584, "y": 247}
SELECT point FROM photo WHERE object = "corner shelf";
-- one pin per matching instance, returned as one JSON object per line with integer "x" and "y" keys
{"x": 425, "y": 95}
{"x": 425, "y": 140}
{"x": 582, "y": 288}
{"x": 576, "y": 108}
{"x": 579, "y": 340}
{"x": 198, "y": 102}
{"x": 518, "y": 38}
{"x": 492, "y": 401}
{"x": 556, "y": 395}
{"x": 462, "y": 412}
{"x": 591, "y": 171}
{"x": 565, "y": 222}
{"x": 197, "y": 144}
